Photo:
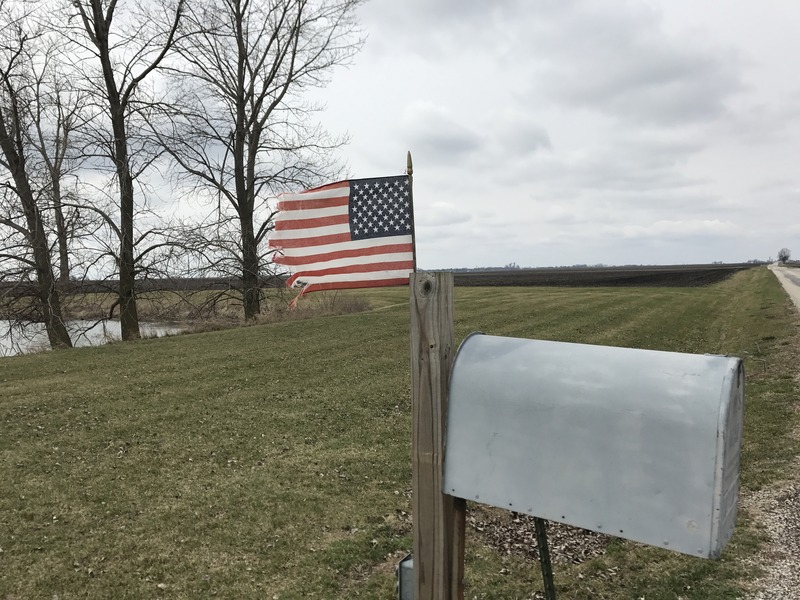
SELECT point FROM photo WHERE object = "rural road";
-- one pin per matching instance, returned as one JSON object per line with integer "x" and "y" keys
{"x": 790, "y": 280}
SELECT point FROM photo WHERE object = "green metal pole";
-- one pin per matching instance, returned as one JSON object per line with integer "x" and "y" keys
{"x": 544, "y": 558}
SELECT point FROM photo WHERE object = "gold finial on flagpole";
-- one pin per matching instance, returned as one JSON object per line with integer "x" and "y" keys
{"x": 409, "y": 165}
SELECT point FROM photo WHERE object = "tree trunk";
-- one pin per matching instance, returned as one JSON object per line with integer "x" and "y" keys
{"x": 134, "y": 48}
{"x": 62, "y": 235}
{"x": 50, "y": 300}
{"x": 251, "y": 286}
{"x": 251, "y": 292}
{"x": 47, "y": 299}
{"x": 128, "y": 313}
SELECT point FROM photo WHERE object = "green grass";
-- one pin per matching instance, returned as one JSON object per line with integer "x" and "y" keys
{"x": 274, "y": 461}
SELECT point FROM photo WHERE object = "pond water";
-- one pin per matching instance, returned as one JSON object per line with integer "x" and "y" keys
{"x": 31, "y": 337}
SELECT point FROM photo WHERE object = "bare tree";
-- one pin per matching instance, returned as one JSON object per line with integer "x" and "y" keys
{"x": 26, "y": 246}
{"x": 128, "y": 43}
{"x": 57, "y": 114}
{"x": 784, "y": 254}
{"x": 239, "y": 128}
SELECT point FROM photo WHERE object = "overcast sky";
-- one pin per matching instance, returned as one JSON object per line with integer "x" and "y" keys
{"x": 559, "y": 132}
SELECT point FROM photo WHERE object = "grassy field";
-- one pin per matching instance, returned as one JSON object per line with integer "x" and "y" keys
{"x": 274, "y": 461}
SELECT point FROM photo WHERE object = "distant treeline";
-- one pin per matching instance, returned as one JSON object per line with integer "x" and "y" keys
{"x": 635, "y": 275}
{"x": 189, "y": 284}
{"x": 646, "y": 276}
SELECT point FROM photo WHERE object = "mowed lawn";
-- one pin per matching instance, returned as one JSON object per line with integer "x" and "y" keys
{"x": 274, "y": 461}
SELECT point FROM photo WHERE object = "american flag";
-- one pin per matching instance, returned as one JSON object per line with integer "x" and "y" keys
{"x": 349, "y": 234}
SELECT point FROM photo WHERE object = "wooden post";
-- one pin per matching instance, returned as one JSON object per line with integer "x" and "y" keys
{"x": 438, "y": 526}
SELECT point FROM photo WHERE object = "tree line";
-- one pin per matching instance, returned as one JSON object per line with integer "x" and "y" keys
{"x": 143, "y": 139}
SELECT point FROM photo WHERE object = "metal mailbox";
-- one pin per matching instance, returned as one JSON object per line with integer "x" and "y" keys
{"x": 639, "y": 444}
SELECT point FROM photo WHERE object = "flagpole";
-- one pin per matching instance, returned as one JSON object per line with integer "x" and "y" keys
{"x": 410, "y": 173}
{"x": 439, "y": 520}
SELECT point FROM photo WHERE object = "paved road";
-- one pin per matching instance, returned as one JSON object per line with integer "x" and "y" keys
{"x": 790, "y": 279}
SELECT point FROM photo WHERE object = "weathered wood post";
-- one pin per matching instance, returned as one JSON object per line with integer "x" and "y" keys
{"x": 438, "y": 526}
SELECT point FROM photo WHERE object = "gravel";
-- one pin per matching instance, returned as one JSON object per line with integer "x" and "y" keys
{"x": 778, "y": 510}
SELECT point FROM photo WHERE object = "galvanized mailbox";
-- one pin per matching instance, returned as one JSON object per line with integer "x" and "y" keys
{"x": 639, "y": 444}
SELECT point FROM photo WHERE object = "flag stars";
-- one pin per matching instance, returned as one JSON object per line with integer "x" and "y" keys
{"x": 380, "y": 207}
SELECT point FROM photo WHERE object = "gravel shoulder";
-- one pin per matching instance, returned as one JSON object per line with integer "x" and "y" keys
{"x": 790, "y": 280}
{"x": 778, "y": 509}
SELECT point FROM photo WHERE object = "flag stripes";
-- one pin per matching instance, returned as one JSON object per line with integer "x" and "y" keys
{"x": 346, "y": 235}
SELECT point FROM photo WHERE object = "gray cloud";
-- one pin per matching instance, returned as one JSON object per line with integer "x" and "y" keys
{"x": 764, "y": 123}
{"x": 616, "y": 58}
{"x": 581, "y": 131}
{"x": 436, "y": 135}
{"x": 682, "y": 229}
{"x": 628, "y": 164}
{"x": 596, "y": 55}
{"x": 520, "y": 135}
{"x": 442, "y": 214}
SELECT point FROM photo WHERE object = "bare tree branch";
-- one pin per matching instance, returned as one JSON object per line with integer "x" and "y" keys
{"x": 127, "y": 55}
{"x": 239, "y": 128}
